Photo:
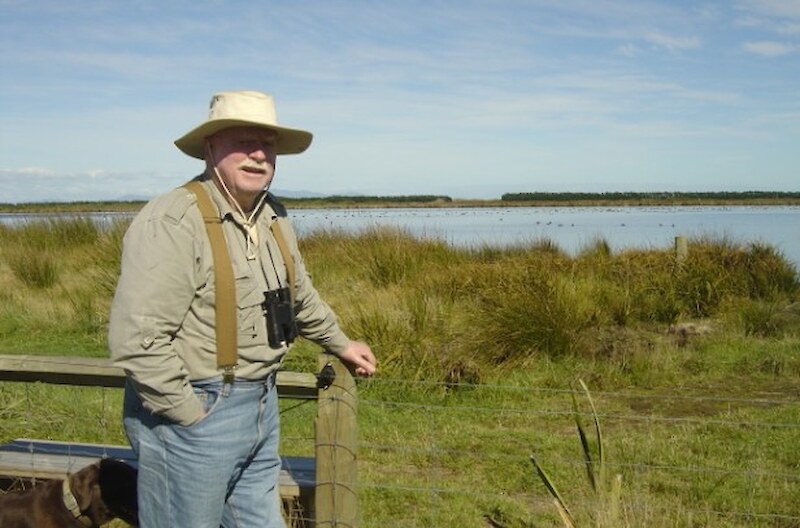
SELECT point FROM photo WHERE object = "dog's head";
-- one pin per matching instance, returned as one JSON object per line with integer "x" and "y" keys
{"x": 118, "y": 489}
{"x": 105, "y": 490}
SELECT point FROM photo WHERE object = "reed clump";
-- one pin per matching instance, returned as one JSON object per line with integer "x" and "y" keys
{"x": 433, "y": 310}
{"x": 56, "y": 281}
{"x": 466, "y": 337}
{"x": 438, "y": 312}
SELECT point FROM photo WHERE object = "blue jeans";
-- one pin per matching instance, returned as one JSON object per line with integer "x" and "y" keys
{"x": 220, "y": 471}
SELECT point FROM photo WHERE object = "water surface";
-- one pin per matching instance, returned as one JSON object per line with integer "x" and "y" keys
{"x": 571, "y": 228}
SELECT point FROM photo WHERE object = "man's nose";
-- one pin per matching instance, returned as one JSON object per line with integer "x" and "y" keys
{"x": 262, "y": 153}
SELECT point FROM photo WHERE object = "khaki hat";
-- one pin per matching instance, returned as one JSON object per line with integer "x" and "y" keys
{"x": 245, "y": 108}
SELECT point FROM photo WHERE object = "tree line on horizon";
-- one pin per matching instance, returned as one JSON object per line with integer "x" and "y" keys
{"x": 627, "y": 196}
{"x": 421, "y": 199}
{"x": 410, "y": 198}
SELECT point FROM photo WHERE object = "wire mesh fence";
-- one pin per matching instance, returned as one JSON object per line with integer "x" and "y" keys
{"x": 460, "y": 456}
{"x": 441, "y": 455}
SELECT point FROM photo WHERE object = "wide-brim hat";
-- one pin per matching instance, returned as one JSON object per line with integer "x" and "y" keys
{"x": 243, "y": 108}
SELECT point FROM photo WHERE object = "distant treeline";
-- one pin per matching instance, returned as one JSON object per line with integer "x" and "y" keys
{"x": 321, "y": 201}
{"x": 413, "y": 198}
{"x": 105, "y": 206}
{"x": 656, "y": 196}
{"x": 436, "y": 200}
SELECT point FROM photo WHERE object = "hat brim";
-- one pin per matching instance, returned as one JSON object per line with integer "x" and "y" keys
{"x": 289, "y": 140}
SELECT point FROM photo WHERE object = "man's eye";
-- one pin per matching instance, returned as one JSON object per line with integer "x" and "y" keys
{"x": 254, "y": 144}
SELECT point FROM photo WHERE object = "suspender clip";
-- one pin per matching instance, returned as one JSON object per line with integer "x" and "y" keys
{"x": 228, "y": 375}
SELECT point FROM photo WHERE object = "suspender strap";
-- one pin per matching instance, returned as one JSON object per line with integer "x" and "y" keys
{"x": 288, "y": 258}
{"x": 224, "y": 283}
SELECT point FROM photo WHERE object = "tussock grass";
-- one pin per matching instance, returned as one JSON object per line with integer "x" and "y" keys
{"x": 36, "y": 268}
{"x": 462, "y": 334}
{"x": 56, "y": 280}
{"x": 434, "y": 311}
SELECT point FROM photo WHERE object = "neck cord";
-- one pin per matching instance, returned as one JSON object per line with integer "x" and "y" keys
{"x": 250, "y": 229}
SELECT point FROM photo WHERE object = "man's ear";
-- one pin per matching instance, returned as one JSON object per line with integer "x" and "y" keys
{"x": 210, "y": 163}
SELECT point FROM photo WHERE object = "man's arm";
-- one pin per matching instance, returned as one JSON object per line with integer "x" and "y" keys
{"x": 155, "y": 289}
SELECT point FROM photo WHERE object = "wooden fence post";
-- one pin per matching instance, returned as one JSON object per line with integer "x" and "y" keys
{"x": 336, "y": 497}
{"x": 681, "y": 249}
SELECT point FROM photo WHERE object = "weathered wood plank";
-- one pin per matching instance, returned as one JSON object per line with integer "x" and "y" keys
{"x": 98, "y": 372}
{"x": 335, "y": 429}
{"x": 42, "y": 459}
{"x": 61, "y": 370}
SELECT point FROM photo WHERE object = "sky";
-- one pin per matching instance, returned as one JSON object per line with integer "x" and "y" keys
{"x": 464, "y": 98}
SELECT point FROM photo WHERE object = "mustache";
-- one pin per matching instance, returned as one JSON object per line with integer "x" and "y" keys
{"x": 252, "y": 165}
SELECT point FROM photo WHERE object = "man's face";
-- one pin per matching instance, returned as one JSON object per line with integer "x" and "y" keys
{"x": 245, "y": 158}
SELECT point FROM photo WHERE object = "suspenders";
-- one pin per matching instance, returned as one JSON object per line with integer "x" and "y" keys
{"x": 224, "y": 282}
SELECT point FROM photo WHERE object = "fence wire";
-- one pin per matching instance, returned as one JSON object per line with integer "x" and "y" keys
{"x": 441, "y": 455}
{"x": 460, "y": 455}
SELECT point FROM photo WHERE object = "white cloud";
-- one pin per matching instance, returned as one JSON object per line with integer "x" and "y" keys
{"x": 768, "y": 48}
{"x": 46, "y": 185}
{"x": 384, "y": 86}
{"x": 628, "y": 50}
{"x": 773, "y": 8}
{"x": 25, "y": 171}
{"x": 672, "y": 43}
{"x": 776, "y": 16}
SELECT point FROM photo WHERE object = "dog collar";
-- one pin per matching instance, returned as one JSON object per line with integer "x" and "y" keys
{"x": 72, "y": 503}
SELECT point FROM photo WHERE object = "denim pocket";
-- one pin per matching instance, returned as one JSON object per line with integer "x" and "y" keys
{"x": 210, "y": 398}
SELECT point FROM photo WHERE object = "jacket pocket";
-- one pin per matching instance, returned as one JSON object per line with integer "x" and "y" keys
{"x": 249, "y": 299}
{"x": 147, "y": 332}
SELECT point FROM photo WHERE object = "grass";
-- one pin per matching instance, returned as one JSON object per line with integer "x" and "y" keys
{"x": 693, "y": 365}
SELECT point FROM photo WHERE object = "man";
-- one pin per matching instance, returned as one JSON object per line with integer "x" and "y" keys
{"x": 206, "y": 432}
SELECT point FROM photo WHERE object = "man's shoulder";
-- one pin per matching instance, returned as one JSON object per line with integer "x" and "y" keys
{"x": 276, "y": 205}
{"x": 171, "y": 206}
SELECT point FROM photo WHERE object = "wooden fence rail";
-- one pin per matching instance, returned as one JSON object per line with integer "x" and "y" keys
{"x": 333, "y": 500}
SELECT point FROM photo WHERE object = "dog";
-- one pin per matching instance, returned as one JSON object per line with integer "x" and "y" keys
{"x": 89, "y": 498}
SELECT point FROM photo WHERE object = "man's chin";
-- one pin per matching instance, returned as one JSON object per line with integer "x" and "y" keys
{"x": 255, "y": 180}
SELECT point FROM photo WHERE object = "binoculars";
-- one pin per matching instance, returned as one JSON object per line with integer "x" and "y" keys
{"x": 279, "y": 315}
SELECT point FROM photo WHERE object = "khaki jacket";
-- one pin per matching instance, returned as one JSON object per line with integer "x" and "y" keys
{"x": 161, "y": 329}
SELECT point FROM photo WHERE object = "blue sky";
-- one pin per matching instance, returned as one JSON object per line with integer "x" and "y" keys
{"x": 460, "y": 97}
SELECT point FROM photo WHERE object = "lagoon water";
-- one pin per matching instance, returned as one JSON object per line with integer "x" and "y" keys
{"x": 571, "y": 228}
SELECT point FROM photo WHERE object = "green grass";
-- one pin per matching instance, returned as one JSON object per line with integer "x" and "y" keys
{"x": 694, "y": 367}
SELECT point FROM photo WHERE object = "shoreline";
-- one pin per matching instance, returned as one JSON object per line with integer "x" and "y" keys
{"x": 409, "y": 203}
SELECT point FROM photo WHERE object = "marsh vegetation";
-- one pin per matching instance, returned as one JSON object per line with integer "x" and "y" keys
{"x": 466, "y": 336}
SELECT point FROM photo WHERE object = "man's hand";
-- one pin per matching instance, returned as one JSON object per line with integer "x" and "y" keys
{"x": 360, "y": 358}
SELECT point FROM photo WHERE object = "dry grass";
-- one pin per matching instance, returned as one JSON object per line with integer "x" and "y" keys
{"x": 457, "y": 322}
